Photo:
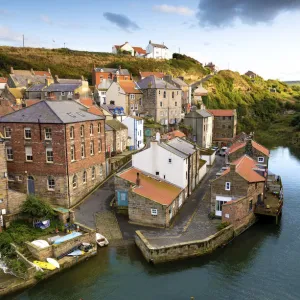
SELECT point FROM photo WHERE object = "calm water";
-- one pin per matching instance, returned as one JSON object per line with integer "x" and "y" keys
{"x": 263, "y": 263}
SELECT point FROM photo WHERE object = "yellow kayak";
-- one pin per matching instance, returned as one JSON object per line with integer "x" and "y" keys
{"x": 44, "y": 265}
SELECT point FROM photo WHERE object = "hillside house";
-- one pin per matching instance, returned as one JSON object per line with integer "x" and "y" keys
{"x": 161, "y": 100}
{"x": 135, "y": 127}
{"x": 251, "y": 74}
{"x": 99, "y": 74}
{"x": 156, "y": 74}
{"x": 211, "y": 66}
{"x": 55, "y": 149}
{"x": 101, "y": 90}
{"x": 198, "y": 93}
{"x": 120, "y": 136}
{"x": 158, "y": 51}
{"x": 126, "y": 47}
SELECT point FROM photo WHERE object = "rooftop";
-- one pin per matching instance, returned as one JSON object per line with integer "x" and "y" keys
{"x": 238, "y": 145}
{"x": 158, "y": 45}
{"x": 182, "y": 145}
{"x": 172, "y": 150}
{"x": 116, "y": 125}
{"x": 112, "y": 71}
{"x": 222, "y": 112}
{"x": 150, "y": 187}
{"x": 105, "y": 84}
{"x": 3, "y": 80}
{"x": 179, "y": 81}
{"x": 156, "y": 74}
{"x": 174, "y": 134}
{"x": 51, "y": 112}
{"x": 139, "y": 50}
{"x": 200, "y": 91}
{"x": 61, "y": 87}
{"x": 198, "y": 113}
{"x": 152, "y": 82}
{"x": 129, "y": 87}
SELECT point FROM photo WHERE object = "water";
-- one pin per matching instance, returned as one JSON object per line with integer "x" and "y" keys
{"x": 263, "y": 263}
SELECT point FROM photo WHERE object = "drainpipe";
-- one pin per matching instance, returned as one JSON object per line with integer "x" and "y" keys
{"x": 40, "y": 129}
{"x": 66, "y": 148}
{"x": 189, "y": 168}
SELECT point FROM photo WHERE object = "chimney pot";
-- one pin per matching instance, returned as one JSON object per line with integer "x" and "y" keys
{"x": 32, "y": 72}
{"x": 138, "y": 180}
{"x": 12, "y": 70}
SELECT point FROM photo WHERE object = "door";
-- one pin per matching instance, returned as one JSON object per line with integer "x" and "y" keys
{"x": 30, "y": 185}
{"x": 220, "y": 200}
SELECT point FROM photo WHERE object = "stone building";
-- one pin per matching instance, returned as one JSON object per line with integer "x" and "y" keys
{"x": 149, "y": 200}
{"x": 243, "y": 179}
{"x": 55, "y": 149}
{"x": 109, "y": 73}
{"x": 120, "y": 135}
{"x": 224, "y": 128}
{"x": 201, "y": 122}
{"x": 250, "y": 147}
{"x": 161, "y": 100}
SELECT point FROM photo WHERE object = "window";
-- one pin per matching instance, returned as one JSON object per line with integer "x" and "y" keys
{"x": 27, "y": 133}
{"x": 227, "y": 186}
{"x": 92, "y": 148}
{"x": 99, "y": 127}
{"x": 48, "y": 134}
{"x": 170, "y": 160}
{"x": 186, "y": 177}
{"x": 93, "y": 173}
{"x": 224, "y": 118}
{"x": 165, "y": 94}
{"x": 103, "y": 93}
{"x": 153, "y": 212}
{"x": 72, "y": 153}
{"x": 82, "y": 130}
{"x": 140, "y": 102}
{"x": 159, "y": 92}
{"x": 261, "y": 159}
{"x": 175, "y": 103}
{"x": 136, "y": 107}
{"x": 7, "y": 132}
{"x": 99, "y": 145}
{"x": 82, "y": 150}
{"x": 62, "y": 93}
{"x": 157, "y": 173}
{"x": 49, "y": 155}
{"x": 84, "y": 176}
{"x": 229, "y": 126}
{"x": 250, "y": 205}
{"x": 101, "y": 170}
{"x": 9, "y": 153}
{"x": 51, "y": 183}
{"x": 91, "y": 129}
{"x": 72, "y": 135}
{"x": 131, "y": 107}
{"x": 177, "y": 92}
{"x": 229, "y": 118}
{"x": 74, "y": 182}
{"x": 173, "y": 95}
{"x": 161, "y": 104}
{"x": 132, "y": 96}
{"x": 28, "y": 153}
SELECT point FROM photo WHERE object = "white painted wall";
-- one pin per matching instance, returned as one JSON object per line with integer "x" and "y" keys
{"x": 209, "y": 132}
{"x": 135, "y": 131}
{"x": 2, "y": 86}
{"x": 156, "y": 159}
{"x": 209, "y": 158}
{"x": 116, "y": 93}
{"x": 126, "y": 47}
{"x": 202, "y": 172}
{"x": 158, "y": 53}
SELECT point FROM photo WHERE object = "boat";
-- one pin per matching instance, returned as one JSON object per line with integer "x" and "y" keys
{"x": 40, "y": 243}
{"x": 67, "y": 237}
{"x": 53, "y": 262}
{"x": 76, "y": 253}
{"x": 101, "y": 240}
{"x": 44, "y": 265}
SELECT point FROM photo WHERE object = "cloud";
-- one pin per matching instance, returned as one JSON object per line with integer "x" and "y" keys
{"x": 121, "y": 21}
{"x": 8, "y": 35}
{"x": 220, "y": 13}
{"x": 180, "y": 10}
{"x": 46, "y": 19}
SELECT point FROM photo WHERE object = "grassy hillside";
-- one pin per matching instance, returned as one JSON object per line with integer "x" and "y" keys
{"x": 68, "y": 63}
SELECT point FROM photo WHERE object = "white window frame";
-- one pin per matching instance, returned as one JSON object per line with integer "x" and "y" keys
{"x": 72, "y": 132}
{"x": 9, "y": 154}
{"x": 99, "y": 128}
{"x": 99, "y": 145}
{"x": 48, "y": 134}
{"x": 82, "y": 150}
{"x": 92, "y": 150}
{"x": 49, "y": 149}
{"x": 84, "y": 177}
{"x": 50, "y": 187}
{"x": 227, "y": 186}
{"x": 27, "y": 129}
{"x": 7, "y": 129}
{"x": 62, "y": 93}
{"x": 154, "y": 212}
{"x": 132, "y": 96}
{"x": 73, "y": 156}
{"x": 82, "y": 131}
{"x": 91, "y": 129}
{"x": 74, "y": 182}
{"x": 261, "y": 159}
{"x": 170, "y": 160}
{"x": 27, "y": 153}
{"x": 93, "y": 173}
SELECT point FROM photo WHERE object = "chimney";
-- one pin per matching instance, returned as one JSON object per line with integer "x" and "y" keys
{"x": 114, "y": 116}
{"x": 157, "y": 136}
{"x": 232, "y": 167}
{"x": 32, "y": 72}
{"x": 12, "y": 70}
{"x": 150, "y": 42}
{"x": 120, "y": 68}
{"x": 82, "y": 78}
{"x": 56, "y": 79}
{"x": 138, "y": 180}
{"x": 49, "y": 71}
{"x": 181, "y": 77}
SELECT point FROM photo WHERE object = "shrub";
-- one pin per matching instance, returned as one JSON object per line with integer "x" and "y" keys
{"x": 39, "y": 275}
{"x": 223, "y": 225}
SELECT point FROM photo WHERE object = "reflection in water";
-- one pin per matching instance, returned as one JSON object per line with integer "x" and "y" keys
{"x": 263, "y": 263}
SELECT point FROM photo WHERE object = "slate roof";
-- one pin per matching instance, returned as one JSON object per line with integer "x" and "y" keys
{"x": 69, "y": 81}
{"x": 116, "y": 125}
{"x": 105, "y": 84}
{"x": 182, "y": 145}
{"x": 199, "y": 113}
{"x": 152, "y": 82}
{"x": 158, "y": 45}
{"x": 112, "y": 71}
{"x": 180, "y": 82}
{"x": 222, "y": 112}
{"x": 172, "y": 150}
{"x": 36, "y": 88}
{"x": 25, "y": 80}
{"x": 62, "y": 87}
{"x": 52, "y": 112}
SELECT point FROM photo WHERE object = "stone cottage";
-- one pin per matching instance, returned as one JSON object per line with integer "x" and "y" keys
{"x": 120, "y": 135}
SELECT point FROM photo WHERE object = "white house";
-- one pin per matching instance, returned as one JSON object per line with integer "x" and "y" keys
{"x": 135, "y": 131}
{"x": 158, "y": 51}
{"x": 3, "y": 82}
{"x": 164, "y": 162}
{"x": 120, "y": 48}
{"x": 101, "y": 90}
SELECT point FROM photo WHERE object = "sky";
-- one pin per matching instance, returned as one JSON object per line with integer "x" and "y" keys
{"x": 258, "y": 35}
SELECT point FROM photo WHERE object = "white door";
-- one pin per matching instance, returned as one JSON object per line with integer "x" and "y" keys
{"x": 220, "y": 200}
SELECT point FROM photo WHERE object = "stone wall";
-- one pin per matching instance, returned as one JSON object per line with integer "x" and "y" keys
{"x": 15, "y": 201}
{"x": 40, "y": 253}
{"x": 183, "y": 250}
{"x": 224, "y": 127}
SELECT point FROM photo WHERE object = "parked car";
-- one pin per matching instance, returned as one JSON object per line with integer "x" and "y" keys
{"x": 223, "y": 151}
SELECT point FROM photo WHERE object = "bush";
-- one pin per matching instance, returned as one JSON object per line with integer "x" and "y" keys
{"x": 223, "y": 225}
{"x": 39, "y": 275}
{"x": 295, "y": 121}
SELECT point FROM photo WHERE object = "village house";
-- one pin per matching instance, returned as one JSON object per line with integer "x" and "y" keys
{"x": 7, "y": 106}
{"x": 14, "y": 95}
{"x": 127, "y": 48}
{"x": 101, "y": 90}
{"x": 235, "y": 193}
{"x": 251, "y": 74}
{"x": 135, "y": 127}
{"x": 211, "y": 66}
{"x": 158, "y": 51}
{"x": 251, "y": 148}
{"x": 109, "y": 140}
{"x": 161, "y": 100}
{"x": 198, "y": 93}
{"x": 55, "y": 149}
{"x": 201, "y": 122}
{"x": 125, "y": 93}
{"x": 3, "y": 82}
{"x": 148, "y": 200}
{"x": 224, "y": 127}
{"x": 26, "y": 78}
{"x": 99, "y": 74}
{"x": 172, "y": 135}
{"x": 120, "y": 136}
{"x": 112, "y": 111}
{"x": 156, "y": 74}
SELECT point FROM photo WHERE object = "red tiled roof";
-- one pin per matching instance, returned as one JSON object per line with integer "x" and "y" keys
{"x": 139, "y": 50}
{"x": 156, "y": 74}
{"x": 3, "y": 80}
{"x": 261, "y": 148}
{"x": 129, "y": 87}
{"x": 6, "y": 107}
{"x": 173, "y": 134}
{"x": 222, "y": 112}
{"x": 119, "y": 46}
{"x": 245, "y": 167}
{"x": 42, "y": 73}
{"x": 257, "y": 146}
{"x": 30, "y": 102}
{"x": 94, "y": 109}
{"x": 156, "y": 190}
{"x": 87, "y": 101}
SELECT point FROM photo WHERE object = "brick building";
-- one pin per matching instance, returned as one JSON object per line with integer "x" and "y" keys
{"x": 3, "y": 184}
{"x": 149, "y": 200}
{"x": 109, "y": 73}
{"x": 224, "y": 127}
{"x": 243, "y": 179}
{"x": 55, "y": 149}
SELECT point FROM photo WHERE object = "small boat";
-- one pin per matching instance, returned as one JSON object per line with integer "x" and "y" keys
{"x": 76, "y": 253}
{"x": 67, "y": 237}
{"x": 53, "y": 262}
{"x": 40, "y": 243}
{"x": 101, "y": 240}
{"x": 44, "y": 265}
